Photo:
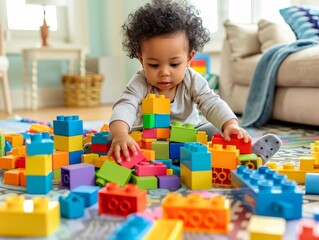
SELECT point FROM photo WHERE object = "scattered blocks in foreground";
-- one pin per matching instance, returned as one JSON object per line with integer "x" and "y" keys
{"x": 72, "y": 206}
{"x": 166, "y": 229}
{"x": 38, "y": 217}
{"x": 88, "y": 193}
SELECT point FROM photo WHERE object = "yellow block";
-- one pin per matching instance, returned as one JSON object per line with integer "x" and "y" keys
{"x": 265, "y": 228}
{"x": 29, "y": 218}
{"x": 89, "y": 157}
{"x": 38, "y": 165}
{"x": 198, "y": 180}
{"x": 68, "y": 144}
{"x": 166, "y": 229}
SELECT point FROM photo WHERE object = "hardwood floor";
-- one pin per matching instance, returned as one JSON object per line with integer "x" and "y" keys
{"x": 49, "y": 114}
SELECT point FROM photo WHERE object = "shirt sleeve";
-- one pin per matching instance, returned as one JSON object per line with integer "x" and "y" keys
{"x": 126, "y": 108}
{"x": 209, "y": 103}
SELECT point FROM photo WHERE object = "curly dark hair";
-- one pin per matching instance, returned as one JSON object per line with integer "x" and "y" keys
{"x": 163, "y": 17}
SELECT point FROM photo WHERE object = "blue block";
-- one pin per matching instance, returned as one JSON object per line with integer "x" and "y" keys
{"x": 267, "y": 193}
{"x": 67, "y": 126}
{"x": 25, "y": 135}
{"x": 162, "y": 120}
{"x": 134, "y": 228}
{"x": 174, "y": 150}
{"x": 101, "y": 138}
{"x": 167, "y": 162}
{"x": 7, "y": 147}
{"x": 71, "y": 206}
{"x": 39, "y": 184}
{"x": 195, "y": 157}
{"x": 75, "y": 157}
{"x": 176, "y": 170}
{"x": 39, "y": 143}
{"x": 88, "y": 193}
{"x": 311, "y": 183}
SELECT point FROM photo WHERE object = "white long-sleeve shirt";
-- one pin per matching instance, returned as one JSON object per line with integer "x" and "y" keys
{"x": 191, "y": 93}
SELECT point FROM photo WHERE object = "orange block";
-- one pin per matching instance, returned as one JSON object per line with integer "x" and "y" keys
{"x": 19, "y": 151}
{"x": 15, "y": 177}
{"x": 224, "y": 157}
{"x": 149, "y": 154}
{"x": 98, "y": 162}
{"x": 60, "y": 159}
{"x": 8, "y": 162}
{"x": 153, "y": 104}
{"x": 198, "y": 214}
{"x": 163, "y": 132}
{"x": 15, "y": 139}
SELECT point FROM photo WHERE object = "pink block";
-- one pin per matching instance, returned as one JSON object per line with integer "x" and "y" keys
{"x": 149, "y": 133}
{"x": 135, "y": 159}
{"x": 147, "y": 169}
{"x": 156, "y": 213}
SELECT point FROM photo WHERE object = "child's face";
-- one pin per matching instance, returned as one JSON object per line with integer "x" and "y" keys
{"x": 165, "y": 59}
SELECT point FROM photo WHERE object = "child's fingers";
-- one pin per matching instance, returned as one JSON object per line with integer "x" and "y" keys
{"x": 126, "y": 152}
{"x": 117, "y": 153}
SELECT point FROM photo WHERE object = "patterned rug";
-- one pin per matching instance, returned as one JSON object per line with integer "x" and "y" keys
{"x": 296, "y": 142}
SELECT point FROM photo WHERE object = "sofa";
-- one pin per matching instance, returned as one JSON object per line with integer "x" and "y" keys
{"x": 296, "y": 97}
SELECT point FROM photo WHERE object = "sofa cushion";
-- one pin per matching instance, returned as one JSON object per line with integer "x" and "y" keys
{"x": 302, "y": 20}
{"x": 300, "y": 69}
{"x": 270, "y": 33}
{"x": 243, "y": 39}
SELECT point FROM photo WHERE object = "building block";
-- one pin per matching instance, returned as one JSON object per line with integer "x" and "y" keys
{"x": 101, "y": 149}
{"x": 71, "y": 206}
{"x": 163, "y": 133}
{"x": 202, "y": 137}
{"x": 2, "y": 145}
{"x": 244, "y": 148}
{"x": 153, "y": 104}
{"x": 167, "y": 162}
{"x": 169, "y": 182}
{"x": 147, "y": 143}
{"x": 39, "y": 143}
{"x": 39, "y": 128}
{"x": 112, "y": 172}
{"x": 67, "y": 126}
{"x": 76, "y": 175}
{"x": 15, "y": 177}
{"x": 38, "y": 217}
{"x": 307, "y": 229}
{"x": 149, "y": 133}
{"x": 195, "y": 157}
{"x": 135, "y": 159}
{"x": 266, "y": 146}
{"x": 166, "y": 229}
{"x": 19, "y": 151}
{"x": 265, "y": 192}
{"x": 224, "y": 157}
{"x": 136, "y": 135}
{"x": 101, "y": 138}
{"x": 176, "y": 170}
{"x": 264, "y": 228}
{"x": 8, "y": 162}
{"x": 7, "y": 147}
{"x": 221, "y": 177}
{"x": 60, "y": 159}
{"x": 312, "y": 182}
{"x": 121, "y": 201}
{"x": 105, "y": 128}
{"x": 151, "y": 214}
{"x": 148, "y": 121}
{"x": 162, "y": 120}
{"x": 183, "y": 133}
{"x": 161, "y": 149}
{"x": 148, "y": 154}
{"x": 148, "y": 169}
{"x": 98, "y": 162}
{"x": 145, "y": 182}
{"x": 20, "y": 163}
{"x": 38, "y": 165}
{"x": 68, "y": 144}
{"x": 174, "y": 150}
{"x": 75, "y": 157}
{"x": 251, "y": 160}
{"x": 88, "y": 193}
{"x": 199, "y": 214}
{"x": 39, "y": 184}
{"x": 89, "y": 157}
{"x": 56, "y": 173}
{"x": 198, "y": 180}
{"x": 134, "y": 228}
{"x": 15, "y": 139}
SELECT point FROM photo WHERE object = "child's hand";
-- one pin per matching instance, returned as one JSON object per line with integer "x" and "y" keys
{"x": 125, "y": 144}
{"x": 232, "y": 127}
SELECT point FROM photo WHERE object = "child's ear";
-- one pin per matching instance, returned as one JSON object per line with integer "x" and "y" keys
{"x": 190, "y": 58}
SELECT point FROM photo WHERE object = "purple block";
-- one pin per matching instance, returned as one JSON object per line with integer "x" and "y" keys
{"x": 76, "y": 175}
{"x": 169, "y": 182}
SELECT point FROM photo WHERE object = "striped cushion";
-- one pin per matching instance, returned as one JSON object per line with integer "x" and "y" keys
{"x": 303, "y": 21}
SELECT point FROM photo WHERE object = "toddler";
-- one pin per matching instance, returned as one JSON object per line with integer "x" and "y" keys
{"x": 164, "y": 36}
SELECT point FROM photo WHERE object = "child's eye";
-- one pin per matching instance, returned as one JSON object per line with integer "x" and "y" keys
{"x": 153, "y": 65}
{"x": 174, "y": 65}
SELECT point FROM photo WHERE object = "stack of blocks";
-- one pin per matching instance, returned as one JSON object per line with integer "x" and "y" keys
{"x": 39, "y": 150}
{"x": 68, "y": 137}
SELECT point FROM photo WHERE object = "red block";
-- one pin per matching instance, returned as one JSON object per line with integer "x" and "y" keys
{"x": 118, "y": 201}
{"x": 20, "y": 163}
{"x": 101, "y": 147}
{"x": 244, "y": 148}
{"x": 135, "y": 159}
{"x": 147, "y": 169}
{"x": 149, "y": 133}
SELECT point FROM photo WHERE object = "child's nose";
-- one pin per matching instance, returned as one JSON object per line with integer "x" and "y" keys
{"x": 164, "y": 71}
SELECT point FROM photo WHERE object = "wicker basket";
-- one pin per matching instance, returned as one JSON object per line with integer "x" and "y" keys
{"x": 82, "y": 91}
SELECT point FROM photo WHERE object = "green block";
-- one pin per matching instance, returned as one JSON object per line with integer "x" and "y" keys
{"x": 161, "y": 149}
{"x": 2, "y": 145}
{"x": 148, "y": 120}
{"x": 112, "y": 172}
{"x": 56, "y": 173}
{"x": 145, "y": 182}
{"x": 250, "y": 160}
{"x": 183, "y": 133}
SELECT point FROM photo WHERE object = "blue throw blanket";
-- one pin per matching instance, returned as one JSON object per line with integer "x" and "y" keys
{"x": 259, "y": 105}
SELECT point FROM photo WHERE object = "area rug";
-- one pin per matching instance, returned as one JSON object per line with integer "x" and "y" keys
{"x": 296, "y": 143}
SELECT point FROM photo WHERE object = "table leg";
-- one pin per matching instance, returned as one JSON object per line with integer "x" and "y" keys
{"x": 34, "y": 86}
{"x": 26, "y": 92}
